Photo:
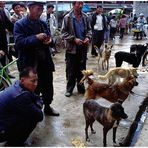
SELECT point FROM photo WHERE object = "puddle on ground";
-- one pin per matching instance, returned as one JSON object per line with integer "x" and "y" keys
{"x": 125, "y": 123}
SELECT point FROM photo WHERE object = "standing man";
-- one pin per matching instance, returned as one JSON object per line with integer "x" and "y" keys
{"x": 20, "y": 109}
{"x": 122, "y": 25}
{"x": 52, "y": 25}
{"x": 2, "y": 6}
{"x": 5, "y": 23}
{"x": 32, "y": 41}
{"x": 76, "y": 31}
{"x": 51, "y": 20}
{"x": 99, "y": 26}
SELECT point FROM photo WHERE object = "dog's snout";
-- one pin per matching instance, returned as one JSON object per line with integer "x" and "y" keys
{"x": 136, "y": 83}
{"x": 125, "y": 116}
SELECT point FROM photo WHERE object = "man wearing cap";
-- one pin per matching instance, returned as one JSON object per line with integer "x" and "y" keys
{"x": 99, "y": 26}
{"x": 141, "y": 19}
{"x": 32, "y": 41}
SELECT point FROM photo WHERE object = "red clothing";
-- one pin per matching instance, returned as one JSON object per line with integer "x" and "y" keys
{"x": 123, "y": 22}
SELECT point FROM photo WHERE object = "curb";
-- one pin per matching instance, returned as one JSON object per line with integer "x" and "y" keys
{"x": 142, "y": 139}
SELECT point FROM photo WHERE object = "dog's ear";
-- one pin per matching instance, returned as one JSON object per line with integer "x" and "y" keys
{"x": 133, "y": 68}
{"x": 119, "y": 101}
{"x": 111, "y": 46}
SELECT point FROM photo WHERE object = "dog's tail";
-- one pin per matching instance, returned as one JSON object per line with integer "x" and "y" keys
{"x": 86, "y": 73}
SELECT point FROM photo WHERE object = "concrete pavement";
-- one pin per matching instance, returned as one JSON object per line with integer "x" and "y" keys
{"x": 68, "y": 129}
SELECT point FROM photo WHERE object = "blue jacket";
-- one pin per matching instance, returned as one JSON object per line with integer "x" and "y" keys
{"x": 30, "y": 50}
{"x": 17, "y": 104}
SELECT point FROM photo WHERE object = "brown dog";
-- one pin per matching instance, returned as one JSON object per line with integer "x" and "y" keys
{"x": 109, "y": 92}
{"x": 105, "y": 116}
{"x": 106, "y": 56}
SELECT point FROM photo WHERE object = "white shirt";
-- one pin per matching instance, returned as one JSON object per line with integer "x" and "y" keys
{"x": 99, "y": 22}
{"x": 113, "y": 23}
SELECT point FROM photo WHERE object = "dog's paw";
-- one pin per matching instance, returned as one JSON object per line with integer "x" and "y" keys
{"x": 93, "y": 132}
{"x": 115, "y": 144}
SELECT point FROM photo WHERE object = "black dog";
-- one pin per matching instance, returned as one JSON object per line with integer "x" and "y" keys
{"x": 134, "y": 57}
{"x": 106, "y": 116}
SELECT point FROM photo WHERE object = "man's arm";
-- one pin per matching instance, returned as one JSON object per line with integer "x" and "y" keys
{"x": 21, "y": 40}
{"x": 28, "y": 107}
{"x": 64, "y": 30}
{"x": 8, "y": 23}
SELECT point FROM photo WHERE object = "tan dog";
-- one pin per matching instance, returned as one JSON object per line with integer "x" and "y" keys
{"x": 86, "y": 73}
{"x": 118, "y": 72}
{"x": 105, "y": 56}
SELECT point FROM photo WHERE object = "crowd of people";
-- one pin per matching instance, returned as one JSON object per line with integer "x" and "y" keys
{"x": 21, "y": 108}
{"x": 33, "y": 34}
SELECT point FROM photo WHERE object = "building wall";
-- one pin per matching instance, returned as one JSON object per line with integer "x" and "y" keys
{"x": 140, "y": 7}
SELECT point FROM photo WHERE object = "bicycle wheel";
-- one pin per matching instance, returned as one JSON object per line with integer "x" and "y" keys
{"x": 3, "y": 83}
{"x": 145, "y": 59}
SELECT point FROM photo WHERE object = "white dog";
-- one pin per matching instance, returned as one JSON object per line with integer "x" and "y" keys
{"x": 115, "y": 73}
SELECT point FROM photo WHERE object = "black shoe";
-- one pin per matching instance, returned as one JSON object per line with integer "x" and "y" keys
{"x": 94, "y": 54}
{"x": 12, "y": 77}
{"x": 50, "y": 111}
{"x": 82, "y": 91}
{"x": 68, "y": 94}
{"x": 12, "y": 144}
{"x": 2, "y": 136}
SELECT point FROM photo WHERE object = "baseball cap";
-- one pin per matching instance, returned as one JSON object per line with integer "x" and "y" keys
{"x": 31, "y": 3}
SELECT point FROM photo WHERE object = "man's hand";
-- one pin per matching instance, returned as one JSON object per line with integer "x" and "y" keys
{"x": 47, "y": 41}
{"x": 78, "y": 41}
{"x": 41, "y": 36}
{"x": 86, "y": 41}
{"x": 2, "y": 52}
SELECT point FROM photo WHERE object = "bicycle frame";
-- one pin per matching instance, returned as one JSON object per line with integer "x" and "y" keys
{"x": 3, "y": 72}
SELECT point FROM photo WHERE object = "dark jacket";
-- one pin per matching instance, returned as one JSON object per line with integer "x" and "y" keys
{"x": 5, "y": 23}
{"x": 94, "y": 16}
{"x": 31, "y": 51}
{"x": 17, "y": 104}
{"x": 68, "y": 32}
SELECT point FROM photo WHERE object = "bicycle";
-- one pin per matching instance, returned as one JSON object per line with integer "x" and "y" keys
{"x": 5, "y": 80}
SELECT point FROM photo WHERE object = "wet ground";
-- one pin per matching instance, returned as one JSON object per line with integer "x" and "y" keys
{"x": 68, "y": 129}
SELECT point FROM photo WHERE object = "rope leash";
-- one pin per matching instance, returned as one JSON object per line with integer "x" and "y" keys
{"x": 133, "y": 93}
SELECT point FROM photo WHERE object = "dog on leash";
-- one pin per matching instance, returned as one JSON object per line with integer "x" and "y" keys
{"x": 134, "y": 57}
{"x": 105, "y": 56}
{"x": 118, "y": 72}
{"x": 105, "y": 116}
{"x": 109, "y": 92}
